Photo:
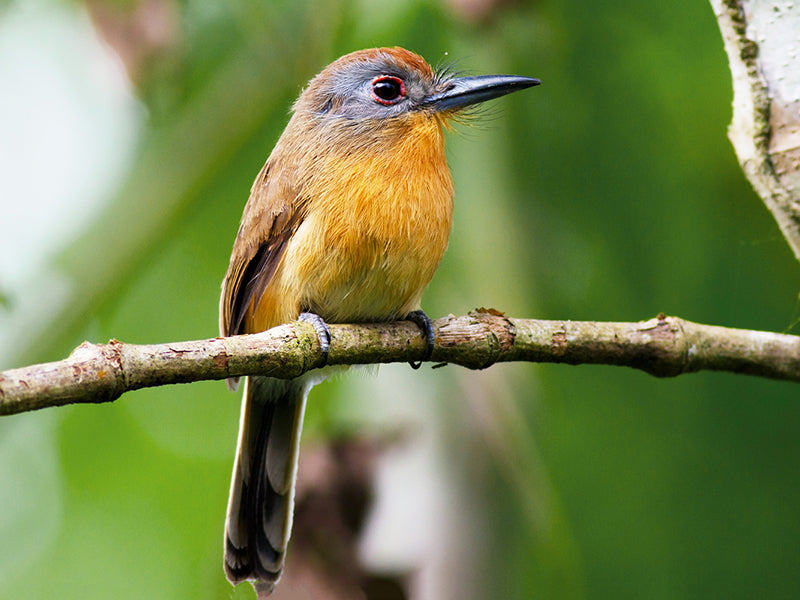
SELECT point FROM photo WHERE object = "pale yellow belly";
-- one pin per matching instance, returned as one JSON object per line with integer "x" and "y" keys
{"x": 357, "y": 277}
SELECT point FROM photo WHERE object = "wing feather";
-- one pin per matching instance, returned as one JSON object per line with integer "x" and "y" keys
{"x": 271, "y": 216}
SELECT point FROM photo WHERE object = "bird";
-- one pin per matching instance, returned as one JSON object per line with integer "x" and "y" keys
{"x": 346, "y": 223}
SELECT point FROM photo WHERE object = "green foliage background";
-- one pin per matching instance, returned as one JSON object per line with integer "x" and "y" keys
{"x": 609, "y": 193}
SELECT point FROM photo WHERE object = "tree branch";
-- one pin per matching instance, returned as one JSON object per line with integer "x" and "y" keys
{"x": 664, "y": 347}
{"x": 762, "y": 45}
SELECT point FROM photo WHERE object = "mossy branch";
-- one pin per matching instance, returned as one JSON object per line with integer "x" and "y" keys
{"x": 664, "y": 347}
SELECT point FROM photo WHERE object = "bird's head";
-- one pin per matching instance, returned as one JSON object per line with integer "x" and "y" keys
{"x": 382, "y": 84}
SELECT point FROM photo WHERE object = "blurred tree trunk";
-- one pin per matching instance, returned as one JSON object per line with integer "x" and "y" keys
{"x": 761, "y": 39}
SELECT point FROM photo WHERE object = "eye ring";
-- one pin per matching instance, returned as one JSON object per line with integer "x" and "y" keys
{"x": 387, "y": 89}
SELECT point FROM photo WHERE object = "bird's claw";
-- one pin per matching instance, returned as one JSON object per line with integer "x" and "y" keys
{"x": 323, "y": 333}
{"x": 424, "y": 322}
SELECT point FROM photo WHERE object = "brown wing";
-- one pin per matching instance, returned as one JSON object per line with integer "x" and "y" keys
{"x": 271, "y": 216}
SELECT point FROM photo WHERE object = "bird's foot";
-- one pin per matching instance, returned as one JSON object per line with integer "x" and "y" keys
{"x": 323, "y": 333}
{"x": 426, "y": 325}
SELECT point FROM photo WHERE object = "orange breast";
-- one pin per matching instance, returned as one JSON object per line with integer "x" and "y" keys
{"x": 377, "y": 226}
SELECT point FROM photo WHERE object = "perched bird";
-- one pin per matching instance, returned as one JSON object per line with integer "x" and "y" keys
{"x": 346, "y": 222}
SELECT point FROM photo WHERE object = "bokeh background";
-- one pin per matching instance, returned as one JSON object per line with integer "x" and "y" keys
{"x": 130, "y": 133}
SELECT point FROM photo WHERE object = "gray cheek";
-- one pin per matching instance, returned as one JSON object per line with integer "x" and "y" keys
{"x": 366, "y": 108}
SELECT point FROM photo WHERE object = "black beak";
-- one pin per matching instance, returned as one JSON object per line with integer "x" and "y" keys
{"x": 465, "y": 91}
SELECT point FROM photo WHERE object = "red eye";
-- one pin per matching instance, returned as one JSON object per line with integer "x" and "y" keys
{"x": 387, "y": 89}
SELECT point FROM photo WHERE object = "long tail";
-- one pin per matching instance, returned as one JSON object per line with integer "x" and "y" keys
{"x": 261, "y": 503}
